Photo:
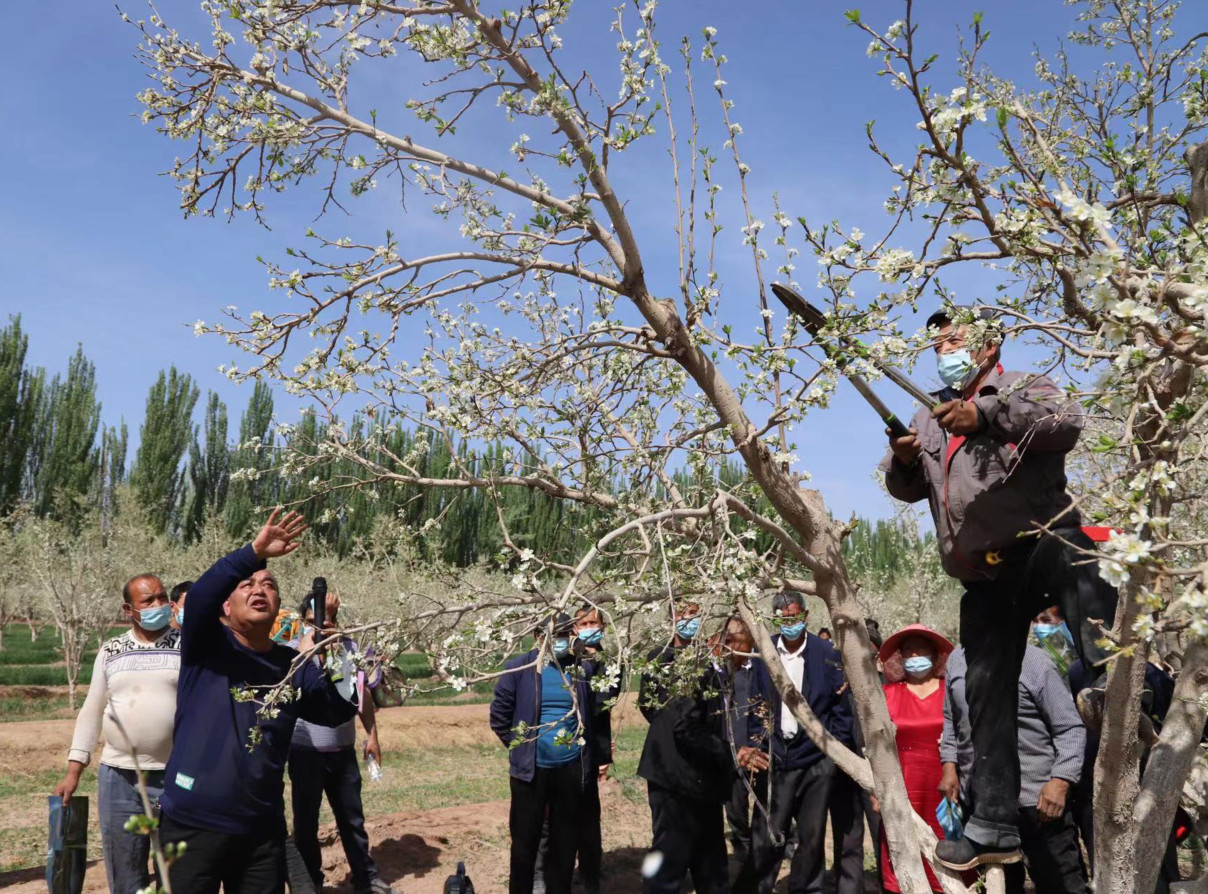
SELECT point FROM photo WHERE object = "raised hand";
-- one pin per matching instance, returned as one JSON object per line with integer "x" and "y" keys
{"x": 279, "y": 537}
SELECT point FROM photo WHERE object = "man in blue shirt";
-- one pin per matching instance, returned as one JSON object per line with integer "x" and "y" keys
{"x": 544, "y": 712}
{"x": 225, "y": 779}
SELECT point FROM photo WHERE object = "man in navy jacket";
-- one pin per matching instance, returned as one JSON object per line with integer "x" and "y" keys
{"x": 544, "y": 712}
{"x": 225, "y": 779}
{"x": 801, "y": 776}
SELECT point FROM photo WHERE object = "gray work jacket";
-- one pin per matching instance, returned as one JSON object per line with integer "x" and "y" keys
{"x": 988, "y": 488}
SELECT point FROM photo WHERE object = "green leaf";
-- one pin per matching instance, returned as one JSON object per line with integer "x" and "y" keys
{"x": 977, "y": 17}
{"x": 1001, "y": 117}
{"x": 853, "y": 16}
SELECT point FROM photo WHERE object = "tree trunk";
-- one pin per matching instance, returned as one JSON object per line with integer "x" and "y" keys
{"x": 805, "y": 512}
{"x": 1170, "y": 764}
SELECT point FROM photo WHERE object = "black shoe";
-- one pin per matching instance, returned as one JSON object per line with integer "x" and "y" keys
{"x": 1091, "y": 705}
{"x": 966, "y": 854}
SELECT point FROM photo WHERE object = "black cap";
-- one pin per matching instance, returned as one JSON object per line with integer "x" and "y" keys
{"x": 942, "y": 316}
{"x": 562, "y": 623}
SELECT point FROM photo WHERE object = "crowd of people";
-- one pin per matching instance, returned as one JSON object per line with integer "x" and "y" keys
{"x": 181, "y": 703}
{"x": 996, "y": 738}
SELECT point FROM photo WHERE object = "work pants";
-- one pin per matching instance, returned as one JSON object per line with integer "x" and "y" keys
{"x": 799, "y": 796}
{"x": 1054, "y": 861}
{"x": 873, "y": 818}
{"x": 591, "y": 846}
{"x": 338, "y": 775}
{"x": 240, "y": 864}
{"x": 126, "y": 853}
{"x": 690, "y": 837}
{"x": 562, "y": 793}
{"x": 995, "y": 619}
{"x": 738, "y": 817}
{"x": 847, "y": 835}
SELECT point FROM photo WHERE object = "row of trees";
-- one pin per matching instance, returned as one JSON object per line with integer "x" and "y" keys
{"x": 57, "y": 458}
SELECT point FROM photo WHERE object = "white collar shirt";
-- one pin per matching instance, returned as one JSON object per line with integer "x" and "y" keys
{"x": 794, "y": 664}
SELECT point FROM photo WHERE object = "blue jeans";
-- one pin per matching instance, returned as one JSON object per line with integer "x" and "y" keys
{"x": 126, "y": 853}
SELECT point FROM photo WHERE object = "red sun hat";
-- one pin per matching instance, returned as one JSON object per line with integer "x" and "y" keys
{"x": 891, "y": 645}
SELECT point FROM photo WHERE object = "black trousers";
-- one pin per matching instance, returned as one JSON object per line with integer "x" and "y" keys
{"x": 336, "y": 774}
{"x": 847, "y": 834}
{"x": 591, "y": 845}
{"x": 1053, "y": 857}
{"x": 738, "y": 817}
{"x": 561, "y": 792}
{"x": 873, "y": 818}
{"x": 799, "y": 796}
{"x": 240, "y": 864}
{"x": 690, "y": 835}
{"x": 995, "y": 616}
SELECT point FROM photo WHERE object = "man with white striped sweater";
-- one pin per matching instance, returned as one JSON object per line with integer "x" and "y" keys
{"x": 132, "y": 700}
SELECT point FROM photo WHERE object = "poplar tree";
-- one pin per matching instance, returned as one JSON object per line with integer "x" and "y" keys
{"x": 209, "y": 469}
{"x": 20, "y": 394}
{"x": 251, "y": 459}
{"x": 158, "y": 474}
{"x": 64, "y": 458}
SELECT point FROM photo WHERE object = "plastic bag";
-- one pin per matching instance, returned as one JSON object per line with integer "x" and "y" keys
{"x": 951, "y": 819}
{"x": 67, "y": 845}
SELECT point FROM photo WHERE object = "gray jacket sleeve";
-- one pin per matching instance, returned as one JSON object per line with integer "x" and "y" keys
{"x": 1059, "y": 713}
{"x": 1032, "y": 412}
{"x": 948, "y": 752}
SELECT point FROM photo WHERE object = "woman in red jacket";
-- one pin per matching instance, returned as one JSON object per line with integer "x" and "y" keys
{"x": 914, "y": 659}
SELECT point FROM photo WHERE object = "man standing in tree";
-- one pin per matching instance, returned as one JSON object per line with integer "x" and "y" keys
{"x": 990, "y": 459}
{"x": 224, "y": 786}
{"x": 132, "y": 698}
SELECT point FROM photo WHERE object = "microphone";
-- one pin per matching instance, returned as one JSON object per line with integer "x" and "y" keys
{"x": 319, "y": 600}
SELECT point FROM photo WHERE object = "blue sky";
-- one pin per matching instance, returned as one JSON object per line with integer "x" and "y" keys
{"x": 95, "y": 251}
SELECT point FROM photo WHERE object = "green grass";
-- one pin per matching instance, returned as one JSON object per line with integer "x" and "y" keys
{"x": 16, "y": 707}
{"x": 25, "y": 663}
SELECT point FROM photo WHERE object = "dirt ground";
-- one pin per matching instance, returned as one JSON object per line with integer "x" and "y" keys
{"x": 416, "y": 850}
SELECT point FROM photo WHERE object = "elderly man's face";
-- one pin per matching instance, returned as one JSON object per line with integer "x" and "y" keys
{"x": 738, "y": 640}
{"x": 686, "y": 610}
{"x": 954, "y": 338}
{"x": 255, "y": 602}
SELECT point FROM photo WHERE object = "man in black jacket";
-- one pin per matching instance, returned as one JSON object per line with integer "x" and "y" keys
{"x": 801, "y": 776}
{"x": 686, "y": 764}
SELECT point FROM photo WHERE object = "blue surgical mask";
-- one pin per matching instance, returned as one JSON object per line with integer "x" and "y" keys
{"x": 953, "y": 367}
{"x": 1044, "y": 631}
{"x": 180, "y": 617}
{"x": 156, "y": 618}
{"x": 591, "y": 636}
{"x": 687, "y": 627}
{"x": 918, "y": 665}
{"x": 792, "y": 631}
{"x": 561, "y": 646}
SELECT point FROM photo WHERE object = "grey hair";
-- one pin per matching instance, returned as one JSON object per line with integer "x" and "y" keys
{"x": 785, "y": 598}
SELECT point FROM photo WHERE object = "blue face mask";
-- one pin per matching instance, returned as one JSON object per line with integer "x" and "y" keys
{"x": 954, "y": 367}
{"x": 180, "y": 617}
{"x": 591, "y": 636}
{"x": 1044, "y": 631}
{"x": 687, "y": 627}
{"x": 918, "y": 665}
{"x": 561, "y": 646}
{"x": 792, "y": 632}
{"x": 156, "y": 618}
